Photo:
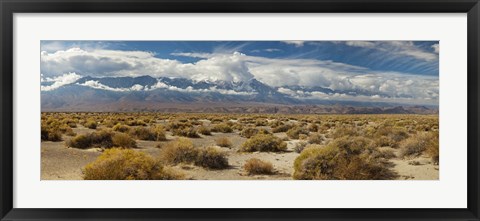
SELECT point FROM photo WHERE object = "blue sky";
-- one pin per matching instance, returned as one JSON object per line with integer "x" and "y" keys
{"x": 407, "y": 71}
{"x": 422, "y": 60}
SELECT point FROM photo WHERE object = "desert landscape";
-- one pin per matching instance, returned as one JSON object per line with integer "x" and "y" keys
{"x": 239, "y": 110}
{"x": 200, "y": 146}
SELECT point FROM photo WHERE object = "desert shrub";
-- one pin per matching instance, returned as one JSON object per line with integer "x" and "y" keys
{"x": 143, "y": 133}
{"x": 186, "y": 132}
{"x": 124, "y": 164}
{"x": 385, "y": 153}
{"x": 294, "y": 133}
{"x": 251, "y": 131}
{"x": 121, "y": 128}
{"x": 312, "y": 127}
{"x": 159, "y": 132}
{"x": 316, "y": 138}
{"x": 211, "y": 158}
{"x": 136, "y": 123}
{"x": 261, "y": 122}
{"x": 390, "y": 136}
{"x": 300, "y": 146}
{"x": 343, "y": 130}
{"x": 222, "y": 128}
{"x": 417, "y": 144}
{"x": 100, "y": 138}
{"x": 223, "y": 142}
{"x": 204, "y": 130}
{"x": 123, "y": 140}
{"x": 179, "y": 151}
{"x": 347, "y": 158}
{"x": 50, "y": 134}
{"x": 91, "y": 124}
{"x": 255, "y": 166}
{"x": 433, "y": 149}
{"x": 264, "y": 143}
{"x": 281, "y": 128}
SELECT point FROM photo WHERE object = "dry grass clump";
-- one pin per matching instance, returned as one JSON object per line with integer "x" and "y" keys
{"x": 312, "y": 127}
{"x": 186, "y": 132}
{"x": 121, "y": 128}
{"x": 347, "y": 158}
{"x": 223, "y": 142}
{"x": 316, "y": 138}
{"x": 222, "y": 128}
{"x": 390, "y": 136}
{"x": 264, "y": 143}
{"x": 179, "y": 151}
{"x": 204, "y": 130}
{"x": 300, "y": 146}
{"x": 50, "y": 134}
{"x": 91, "y": 124}
{"x": 124, "y": 164}
{"x": 101, "y": 139}
{"x": 251, "y": 131}
{"x": 343, "y": 130}
{"x": 255, "y": 166}
{"x": 183, "y": 151}
{"x": 123, "y": 140}
{"x": 422, "y": 142}
{"x": 211, "y": 158}
{"x": 281, "y": 128}
{"x": 294, "y": 133}
{"x": 156, "y": 133}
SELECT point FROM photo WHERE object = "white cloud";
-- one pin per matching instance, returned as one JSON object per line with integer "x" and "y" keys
{"x": 59, "y": 81}
{"x": 266, "y": 50}
{"x": 238, "y": 67}
{"x": 436, "y": 48}
{"x": 98, "y": 85}
{"x": 400, "y": 48}
{"x": 296, "y": 43}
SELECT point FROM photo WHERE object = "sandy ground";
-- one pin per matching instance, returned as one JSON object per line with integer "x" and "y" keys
{"x": 62, "y": 163}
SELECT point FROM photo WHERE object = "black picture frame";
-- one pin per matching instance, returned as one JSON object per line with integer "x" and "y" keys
{"x": 9, "y": 7}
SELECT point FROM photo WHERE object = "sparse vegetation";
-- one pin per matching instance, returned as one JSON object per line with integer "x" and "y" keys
{"x": 264, "y": 143}
{"x": 124, "y": 164}
{"x": 255, "y": 166}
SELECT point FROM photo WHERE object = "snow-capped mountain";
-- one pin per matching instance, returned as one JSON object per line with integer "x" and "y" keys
{"x": 149, "y": 94}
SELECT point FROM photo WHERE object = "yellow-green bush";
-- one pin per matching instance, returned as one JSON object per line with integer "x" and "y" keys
{"x": 347, "y": 158}
{"x": 121, "y": 128}
{"x": 255, "y": 166}
{"x": 91, "y": 124}
{"x": 124, "y": 164}
{"x": 100, "y": 138}
{"x": 204, "y": 130}
{"x": 295, "y": 132}
{"x": 186, "y": 132}
{"x": 179, "y": 151}
{"x": 222, "y": 128}
{"x": 123, "y": 140}
{"x": 264, "y": 143}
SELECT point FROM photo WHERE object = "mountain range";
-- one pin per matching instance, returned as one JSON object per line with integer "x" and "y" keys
{"x": 166, "y": 94}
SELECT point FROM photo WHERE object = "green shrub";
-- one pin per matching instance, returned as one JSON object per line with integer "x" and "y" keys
{"x": 255, "y": 166}
{"x": 124, "y": 164}
{"x": 347, "y": 158}
{"x": 264, "y": 143}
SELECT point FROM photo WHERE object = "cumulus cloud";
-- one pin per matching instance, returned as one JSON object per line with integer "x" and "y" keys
{"x": 436, "y": 48}
{"x": 59, "y": 81}
{"x": 296, "y": 43}
{"x": 98, "y": 85}
{"x": 347, "y": 81}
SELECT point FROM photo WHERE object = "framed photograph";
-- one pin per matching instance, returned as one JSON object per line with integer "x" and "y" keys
{"x": 201, "y": 110}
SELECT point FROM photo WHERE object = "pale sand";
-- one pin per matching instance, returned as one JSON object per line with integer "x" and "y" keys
{"x": 62, "y": 163}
